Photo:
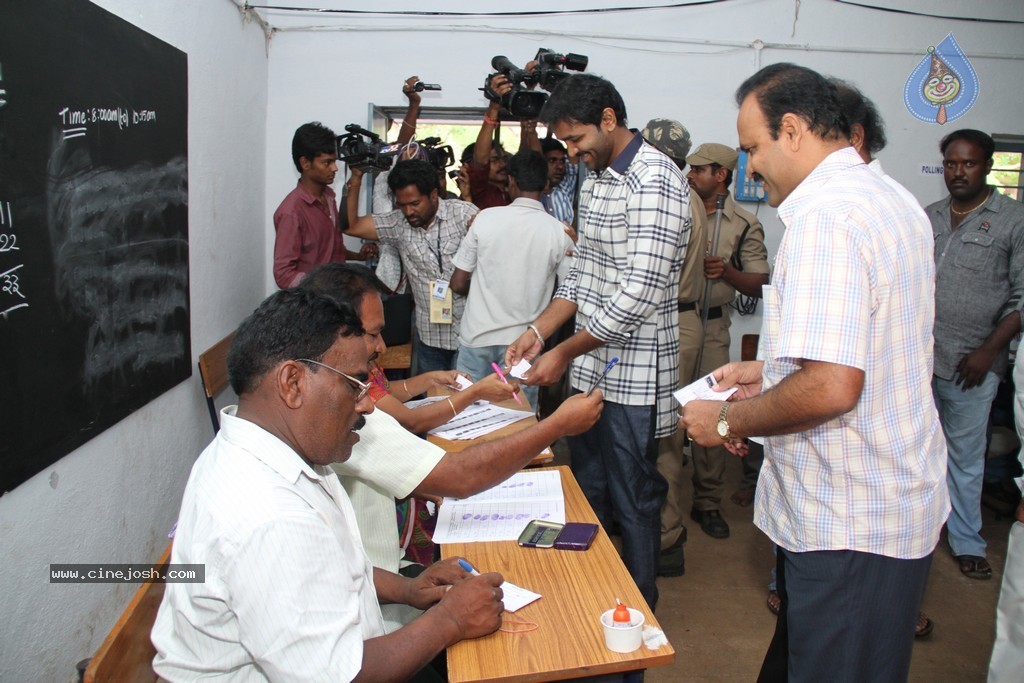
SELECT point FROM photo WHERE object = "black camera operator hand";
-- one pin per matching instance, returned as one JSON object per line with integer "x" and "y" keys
{"x": 408, "y": 129}
{"x": 484, "y": 140}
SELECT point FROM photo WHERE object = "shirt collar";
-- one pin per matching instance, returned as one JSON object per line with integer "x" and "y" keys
{"x": 265, "y": 447}
{"x": 621, "y": 163}
{"x": 527, "y": 203}
{"x": 836, "y": 162}
{"x": 307, "y": 196}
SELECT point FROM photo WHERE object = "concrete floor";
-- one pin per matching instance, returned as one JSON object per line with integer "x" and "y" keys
{"x": 715, "y": 615}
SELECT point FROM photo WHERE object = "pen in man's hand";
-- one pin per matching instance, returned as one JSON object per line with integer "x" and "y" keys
{"x": 502, "y": 376}
{"x": 608, "y": 367}
{"x": 468, "y": 567}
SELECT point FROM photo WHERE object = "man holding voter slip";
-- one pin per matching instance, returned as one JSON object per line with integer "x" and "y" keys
{"x": 853, "y": 487}
{"x": 622, "y": 287}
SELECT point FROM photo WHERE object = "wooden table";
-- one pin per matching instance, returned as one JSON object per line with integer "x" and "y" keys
{"x": 576, "y": 588}
{"x": 543, "y": 458}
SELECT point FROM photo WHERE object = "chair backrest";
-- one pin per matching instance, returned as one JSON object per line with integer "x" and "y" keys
{"x": 126, "y": 655}
{"x": 748, "y": 346}
{"x": 213, "y": 372}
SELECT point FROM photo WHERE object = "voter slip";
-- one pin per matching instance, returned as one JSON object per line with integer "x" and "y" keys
{"x": 702, "y": 390}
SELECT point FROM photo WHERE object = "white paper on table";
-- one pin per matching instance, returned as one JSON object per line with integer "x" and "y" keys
{"x": 519, "y": 369}
{"x": 546, "y": 485}
{"x": 515, "y": 597}
{"x": 492, "y": 521}
{"x": 702, "y": 390}
{"x": 478, "y": 419}
{"x": 502, "y": 512}
{"x": 463, "y": 382}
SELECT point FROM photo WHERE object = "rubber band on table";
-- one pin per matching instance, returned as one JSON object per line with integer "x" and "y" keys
{"x": 527, "y": 626}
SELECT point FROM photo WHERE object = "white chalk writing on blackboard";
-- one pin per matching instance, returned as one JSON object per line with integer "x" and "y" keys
{"x": 77, "y": 120}
{"x": 10, "y": 284}
{"x": 112, "y": 265}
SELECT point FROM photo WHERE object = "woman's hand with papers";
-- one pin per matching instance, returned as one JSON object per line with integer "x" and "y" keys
{"x": 492, "y": 388}
{"x": 578, "y": 413}
{"x": 446, "y": 378}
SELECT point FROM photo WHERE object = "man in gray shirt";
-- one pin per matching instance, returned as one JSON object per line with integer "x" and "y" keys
{"x": 979, "y": 267}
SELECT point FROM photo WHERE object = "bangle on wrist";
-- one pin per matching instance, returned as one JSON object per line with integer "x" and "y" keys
{"x": 454, "y": 412}
{"x": 406, "y": 387}
{"x": 488, "y": 119}
{"x": 537, "y": 332}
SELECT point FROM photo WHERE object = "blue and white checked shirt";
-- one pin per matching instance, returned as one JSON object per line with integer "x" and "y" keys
{"x": 854, "y": 285}
{"x": 559, "y": 201}
{"x": 634, "y": 225}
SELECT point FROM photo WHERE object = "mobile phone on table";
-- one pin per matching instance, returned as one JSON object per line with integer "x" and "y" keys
{"x": 576, "y": 536}
{"x": 539, "y": 534}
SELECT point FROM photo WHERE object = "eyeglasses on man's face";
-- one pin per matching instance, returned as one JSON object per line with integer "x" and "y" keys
{"x": 362, "y": 388}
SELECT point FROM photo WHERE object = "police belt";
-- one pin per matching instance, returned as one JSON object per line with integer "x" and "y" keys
{"x": 714, "y": 313}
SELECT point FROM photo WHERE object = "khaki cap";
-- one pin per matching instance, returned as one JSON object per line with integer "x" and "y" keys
{"x": 713, "y": 153}
{"x": 671, "y": 137}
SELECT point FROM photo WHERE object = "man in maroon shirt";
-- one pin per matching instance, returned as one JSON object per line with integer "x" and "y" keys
{"x": 306, "y": 222}
{"x": 488, "y": 176}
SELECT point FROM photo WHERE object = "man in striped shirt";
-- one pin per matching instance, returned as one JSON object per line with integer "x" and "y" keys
{"x": 633, "y": 226}
{"x": 853, "y": 486}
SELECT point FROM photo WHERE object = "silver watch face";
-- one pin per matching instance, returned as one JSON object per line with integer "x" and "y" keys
{"x": 723, "y": 429}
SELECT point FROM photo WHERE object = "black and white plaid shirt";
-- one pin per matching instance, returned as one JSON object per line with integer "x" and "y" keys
{"x": 634, "y": 226}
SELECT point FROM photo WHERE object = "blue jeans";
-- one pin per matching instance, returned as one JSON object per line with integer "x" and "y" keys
{"x": 476, "y": 362}
{"x": 964, "y": 417}
{"x": 846, "y": 617}
{"x": 615, "y": 462}
{"x": 430, "y": 358}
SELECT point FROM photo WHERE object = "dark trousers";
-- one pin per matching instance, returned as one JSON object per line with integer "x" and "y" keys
{"x": 615, "y": 462}
{"x": 845, "y": 616}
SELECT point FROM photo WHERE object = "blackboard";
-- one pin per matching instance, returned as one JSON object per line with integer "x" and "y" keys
{"x": 94, "y": 316}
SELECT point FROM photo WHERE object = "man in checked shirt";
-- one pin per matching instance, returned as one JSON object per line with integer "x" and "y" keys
{"x": 633, "y": 229}
{"x": 853, "y": 487}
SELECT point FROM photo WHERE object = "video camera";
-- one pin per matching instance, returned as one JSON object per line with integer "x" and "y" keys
{"x": 522, "y": 102}
{"x": 363, "y": 149}
{"x": 439, "y": 156}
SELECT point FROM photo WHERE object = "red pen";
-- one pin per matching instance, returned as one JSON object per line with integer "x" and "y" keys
{"x": 502, "y": 376}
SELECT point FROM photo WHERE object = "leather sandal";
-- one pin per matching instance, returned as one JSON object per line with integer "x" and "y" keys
{"x": 924, "y": 625}
{"x": 974, "y": 567}
{"x": 774, "y": 602}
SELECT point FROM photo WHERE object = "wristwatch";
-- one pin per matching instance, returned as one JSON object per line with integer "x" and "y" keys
{"x": 723, "y": 426}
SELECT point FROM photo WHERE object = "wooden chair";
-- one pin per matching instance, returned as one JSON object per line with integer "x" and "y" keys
{"x": 126, "y": 655}
{"x": 396, "y": 357}
{"x": 213, "y": 373}
{"x": 748, "y": 346}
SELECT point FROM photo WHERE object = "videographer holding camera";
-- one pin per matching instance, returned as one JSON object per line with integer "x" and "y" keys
{"x": 426, "y": 230}
{"x": 306, "y": 222}
{"x": 488, "y": 175}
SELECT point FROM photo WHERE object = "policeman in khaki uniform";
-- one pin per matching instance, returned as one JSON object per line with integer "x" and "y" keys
{"x": 672, "y": 138}
{"x": 739, "y": 264}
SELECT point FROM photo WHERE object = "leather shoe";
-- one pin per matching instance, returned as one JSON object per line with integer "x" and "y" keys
{"x": 711, "y": 522}
{"x": 672, "y": 560}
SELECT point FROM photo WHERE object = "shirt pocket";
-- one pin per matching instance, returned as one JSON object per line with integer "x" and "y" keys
{"x": 975, "y": 250}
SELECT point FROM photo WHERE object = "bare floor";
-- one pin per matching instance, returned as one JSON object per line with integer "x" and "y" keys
{"x": 715, "y": 615}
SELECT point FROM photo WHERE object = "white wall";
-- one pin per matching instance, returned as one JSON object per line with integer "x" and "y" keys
{"x": 682, "y": 63}
{"x": 114, "y": 499}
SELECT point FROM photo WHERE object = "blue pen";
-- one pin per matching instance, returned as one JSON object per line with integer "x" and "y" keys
{"x": 611, "y": 364}
{"x": 468, "y": 567}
